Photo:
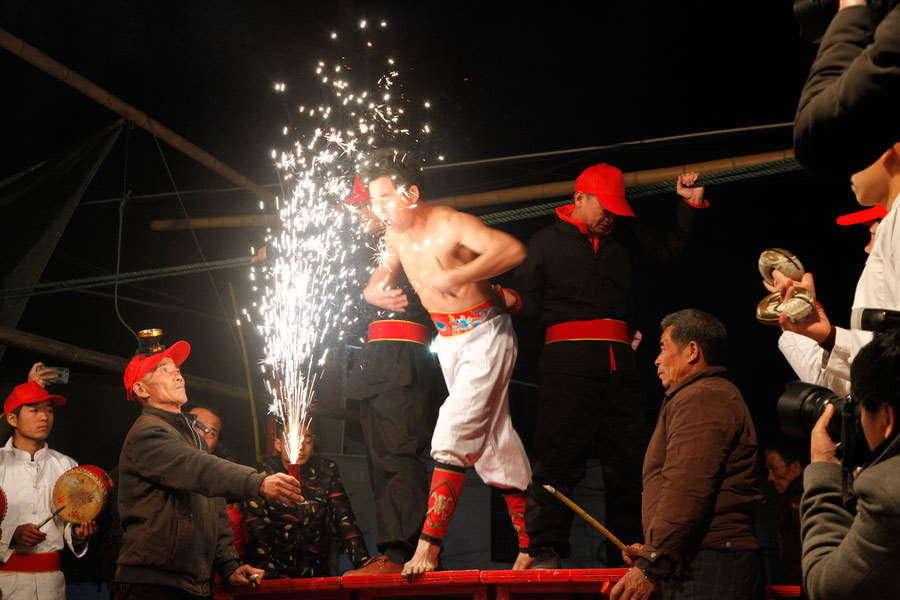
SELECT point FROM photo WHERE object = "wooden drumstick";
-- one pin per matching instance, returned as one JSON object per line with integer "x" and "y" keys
{"x": 587, "y": 518}
{"x": 53, "y": 514}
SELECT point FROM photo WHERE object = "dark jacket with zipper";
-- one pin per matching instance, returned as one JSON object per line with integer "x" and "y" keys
{"x": 172, "y": 508}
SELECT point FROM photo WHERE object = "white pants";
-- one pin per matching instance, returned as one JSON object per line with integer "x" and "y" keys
{"x": 474, "y": 427}
{"x": 33, "y": 586}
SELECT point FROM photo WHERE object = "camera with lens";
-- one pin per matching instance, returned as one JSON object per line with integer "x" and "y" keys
{"x": 800, "y": 407}
{"x": 815, "y": 15}
{"x": 801, "y": 404}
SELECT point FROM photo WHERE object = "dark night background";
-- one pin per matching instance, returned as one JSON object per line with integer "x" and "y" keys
{"x": 504, "y": 80}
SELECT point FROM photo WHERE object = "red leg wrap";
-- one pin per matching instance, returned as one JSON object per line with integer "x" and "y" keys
{"x": 446, "y": 485}
{"x": 515, "y": 502}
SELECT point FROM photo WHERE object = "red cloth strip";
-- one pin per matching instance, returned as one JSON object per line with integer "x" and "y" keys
{"x": 399, "y": 331}
{"x": 608, "y": 330}
{"x": 515, "y": 503}
{"x": 38, "y": 562}
{"x": 446, "y": 486}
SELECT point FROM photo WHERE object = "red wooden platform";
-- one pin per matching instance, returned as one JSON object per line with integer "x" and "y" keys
{"x": 462, "y": 585}
{"x": 596, "y": 583}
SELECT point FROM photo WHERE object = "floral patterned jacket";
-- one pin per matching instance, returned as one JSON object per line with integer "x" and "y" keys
{"x": 293, "y": 542}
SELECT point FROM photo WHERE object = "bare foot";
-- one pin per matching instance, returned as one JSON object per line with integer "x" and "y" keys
{"x": 424, "y": 560}
{"x": 523, "y": 562}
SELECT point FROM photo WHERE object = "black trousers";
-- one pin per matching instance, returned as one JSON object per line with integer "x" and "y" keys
{"x": 397, "y": 426}
{"x": 716, "y": 575}
{"x": 575, "y": 412}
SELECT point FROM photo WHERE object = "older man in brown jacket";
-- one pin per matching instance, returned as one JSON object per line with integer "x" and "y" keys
{"x": 700, "y": 483}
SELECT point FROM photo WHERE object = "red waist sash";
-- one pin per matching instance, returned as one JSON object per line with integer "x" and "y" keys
{"x": 607, "y": 330}
{"x": 399, "y": 331}
{"x": 37, "y": 562}
{"x": 461, "y": 322}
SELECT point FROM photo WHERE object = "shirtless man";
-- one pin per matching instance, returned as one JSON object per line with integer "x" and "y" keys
{"x": 449, "y": 257}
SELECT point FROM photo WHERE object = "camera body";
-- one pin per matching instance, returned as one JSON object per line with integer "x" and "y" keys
{"x": 800, "y": 407}
{"x": 61, "y": 373}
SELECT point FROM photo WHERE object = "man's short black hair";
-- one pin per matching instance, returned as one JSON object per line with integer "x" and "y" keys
{"x": 695, "y": 325}
{"x": 403, "y": 167}
{"x": 875, "y": 372}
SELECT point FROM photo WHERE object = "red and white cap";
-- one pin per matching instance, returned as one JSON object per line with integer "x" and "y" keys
{"x": 863, "y": 216}
{"x": 607, "y": 184}
{"x": 142, "y": 363}
{"x": 29, "y": 393}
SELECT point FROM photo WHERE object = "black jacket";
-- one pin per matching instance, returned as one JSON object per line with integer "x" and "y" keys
{"x": 847, "y": 115}
{"x": 292, "y": 541}
{"x": 388, "y": 365}
{"x": 571, "y": 276}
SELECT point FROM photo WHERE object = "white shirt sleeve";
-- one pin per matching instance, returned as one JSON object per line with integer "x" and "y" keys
{"x": 808, "y": 360}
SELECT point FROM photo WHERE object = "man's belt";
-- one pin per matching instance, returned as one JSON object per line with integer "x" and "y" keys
{"x": 399, "y": 331}
{"x": 606, "y": 330}
{"x": 464, "y": 321}
{"x": 37, "y": 562}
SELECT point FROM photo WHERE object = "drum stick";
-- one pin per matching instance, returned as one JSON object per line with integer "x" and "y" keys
{"x": 53, "y": 514}
{"x": 587, "y": 518}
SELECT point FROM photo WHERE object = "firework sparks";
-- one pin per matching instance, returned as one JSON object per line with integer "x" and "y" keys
{"x": 310, "y": 283}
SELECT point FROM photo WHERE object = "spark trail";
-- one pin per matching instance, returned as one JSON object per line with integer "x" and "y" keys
{"x": 309, "y": 286}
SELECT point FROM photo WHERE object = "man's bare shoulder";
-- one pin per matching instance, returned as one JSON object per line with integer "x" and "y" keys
{"x": 443, "y": 213}
{"x": 446, "y": 217}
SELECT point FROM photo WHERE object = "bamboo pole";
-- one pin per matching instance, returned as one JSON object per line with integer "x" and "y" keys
{"x": 116, "y": 364}
{"x": 609, "y": 535}
{"x": 74, "y": 354}
{"x": 52, "y": 67}
{"x": 632, "y": 179}
{"x": 541, "y": 191}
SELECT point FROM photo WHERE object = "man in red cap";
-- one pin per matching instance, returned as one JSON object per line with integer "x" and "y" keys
{"x": 28, "y": 471}
{"x": 171, "y": 491}
{"x": 577, "y": 280}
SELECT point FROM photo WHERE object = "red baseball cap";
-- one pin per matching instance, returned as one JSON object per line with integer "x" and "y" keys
{"x": 142, "y": 363}
{"x": 360, "y": 193}
{"x": 607, "y": 184}
{"x": 29, "y": 393}
{"x": 863, "y": 216}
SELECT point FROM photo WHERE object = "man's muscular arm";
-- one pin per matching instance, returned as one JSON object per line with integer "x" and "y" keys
{"x": 498, "y": 252}
{"x": 380, "y": 290}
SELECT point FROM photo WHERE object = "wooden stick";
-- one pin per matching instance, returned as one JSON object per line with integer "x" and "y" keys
{"x": 587, "y": 518}
{"x": 55, "y": 512}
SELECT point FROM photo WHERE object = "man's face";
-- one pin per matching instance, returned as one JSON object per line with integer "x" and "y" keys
{"x": 597, "y": 219}
{"x": 164, "y": 384}
{"x": 877, "y": 424}
{"x": 34, "y": 421}
{"x": 213, "y": 426}
{"x": 672, "y": 363}
{"x": 780, "y": 473}
{"x": 871, "y": 185}
{"x": 369, "y": 221}
{"x": 872, "y": 229}
{"x": 394, "y": 207}
{"x": 306, "y": 448}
